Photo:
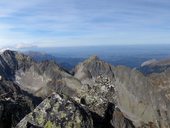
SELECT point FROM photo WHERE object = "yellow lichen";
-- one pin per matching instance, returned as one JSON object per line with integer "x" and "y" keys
{"x": 48, "y": 125}
{"x": 40, "y": 119}
{"x": 63, "y": 115}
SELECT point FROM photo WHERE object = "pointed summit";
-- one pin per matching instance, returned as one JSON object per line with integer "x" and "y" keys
{"x": 8, "y": 52}
{"x": 94, "y": 57}
{"x": 92, "y": 67}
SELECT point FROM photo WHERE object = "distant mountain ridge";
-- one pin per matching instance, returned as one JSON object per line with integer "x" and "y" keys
{"x": 65, "y": 62}
{"x": 155, "y": 66}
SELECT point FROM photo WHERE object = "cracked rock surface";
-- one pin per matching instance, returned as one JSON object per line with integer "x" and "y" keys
{"x": 58, "y": 111}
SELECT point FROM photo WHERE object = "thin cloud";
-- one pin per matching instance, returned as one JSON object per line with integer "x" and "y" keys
{"x": 24, "y": 45}
{"x": 38, "y": 20}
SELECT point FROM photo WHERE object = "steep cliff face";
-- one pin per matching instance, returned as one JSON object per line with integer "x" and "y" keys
{"x": 161, "y": 96}
{"x": 133, "y": 92}
{"x": 148, "y": 96}
{"x": 10, "y": 61}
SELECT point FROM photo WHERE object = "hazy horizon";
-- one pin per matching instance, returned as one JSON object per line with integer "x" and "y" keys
{"x": 22, "y": 47}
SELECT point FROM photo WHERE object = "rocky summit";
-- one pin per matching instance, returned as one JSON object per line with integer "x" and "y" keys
{"x": 42, "y": 94}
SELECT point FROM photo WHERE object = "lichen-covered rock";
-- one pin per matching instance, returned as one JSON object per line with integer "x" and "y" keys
{"x": 98, "y": 94}
{"x": 58, "y": 111}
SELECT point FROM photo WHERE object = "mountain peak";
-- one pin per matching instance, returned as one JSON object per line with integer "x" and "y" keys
{"x": 4, "y": 49}
{"x": 93, "y": 67}
{"x": 94, "y": 57}
{"x": 8, "y": 52}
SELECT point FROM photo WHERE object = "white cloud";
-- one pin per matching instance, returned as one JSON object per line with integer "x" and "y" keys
{"x": 24, "y": 45}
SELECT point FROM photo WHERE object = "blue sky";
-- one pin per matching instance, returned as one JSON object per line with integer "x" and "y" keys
{"x": 49, "y": 23}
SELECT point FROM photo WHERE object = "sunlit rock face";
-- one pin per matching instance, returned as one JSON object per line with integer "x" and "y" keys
{"x": 58, "y": 111}
{"x": 133, "y": 95}
{"x": 161, "y": 96}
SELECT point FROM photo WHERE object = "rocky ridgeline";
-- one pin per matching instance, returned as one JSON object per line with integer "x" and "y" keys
{"x": 97, "y": 95}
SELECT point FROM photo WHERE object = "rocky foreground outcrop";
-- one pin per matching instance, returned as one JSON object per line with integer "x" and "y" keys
{"x": 61, "y": 111}
{"x": 58, "y": 111}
